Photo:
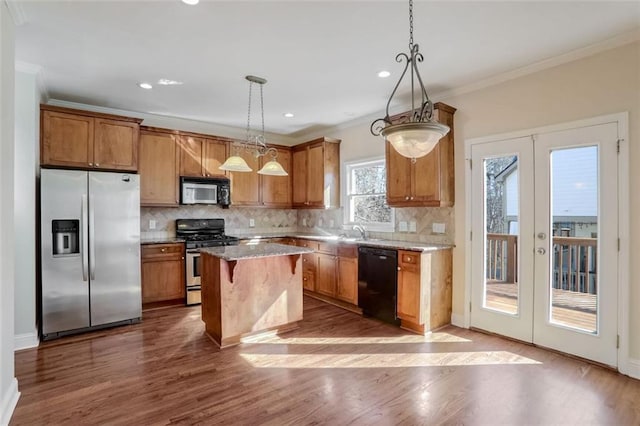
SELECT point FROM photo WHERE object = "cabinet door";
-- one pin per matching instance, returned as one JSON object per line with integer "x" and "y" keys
{"x": 67, "y": 139}
{"x": 161, "y": 280}
{"x": 315, "y": 176}
{"x": 398, "y": 177}
{"x": 425, "y": 179}
{"x": 409, "y": 294}
{"x": 276, "y": 190}
{"x": 245, "y": 190}
{"x": 191, "y": 156}
{"x": 326, "y": 276}
{"x": 347, "y": 280}
{"x": 115, "y": 144}
{"x": 299, "y": 177}
{"x": 158, "y": 169}
{"x": 215, "y": 153}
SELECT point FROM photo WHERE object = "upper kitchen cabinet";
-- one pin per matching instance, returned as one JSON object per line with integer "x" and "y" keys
{"x": 255, "y": 190}
{"x": 158, "y": 167}
{"x": 201, "y": 157}
{"x": 316, "y": 174}
{"x": 429, "y": 181}
{"x": 87, "y": 140}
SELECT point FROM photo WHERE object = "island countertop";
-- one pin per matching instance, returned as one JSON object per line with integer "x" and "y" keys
{"x": 240, "y": 252}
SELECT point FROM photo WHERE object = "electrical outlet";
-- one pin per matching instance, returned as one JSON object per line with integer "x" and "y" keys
{"x": 252, "y": 223}
{"x": 402, "y": 226}
{"x": 304, "y": 221}
{"x": 152, "y": 224}
{"x": 412, "y": 226}
{"x": 438, "y": 228}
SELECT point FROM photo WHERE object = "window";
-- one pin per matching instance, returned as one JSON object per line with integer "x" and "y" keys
{"x": 365, "y": 195}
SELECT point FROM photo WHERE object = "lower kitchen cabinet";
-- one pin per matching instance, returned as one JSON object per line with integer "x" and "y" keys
{"x": 347, "y": 286}
{"x": 327, "y": 276}
{"x": 424, "y": 289}
{"x": 163, "y": 273}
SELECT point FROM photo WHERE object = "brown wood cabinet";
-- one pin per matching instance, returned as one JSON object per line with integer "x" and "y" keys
{"x": 163, "y": 276}
{"x": 86, "y": 140}
{"x": 201, "y": 156}
{"x": 347, "y": 285}
{"x": 424, "y": 289}
{"x": 429, "y": 181}
{"x": 309, "y": 264}
{"x": 316, "y": 174}
{"x": 158, "y": 168}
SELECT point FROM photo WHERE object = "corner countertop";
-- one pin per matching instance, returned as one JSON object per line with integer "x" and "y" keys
{"x": 161, "y": 240}
{"x": 242, "y": 252}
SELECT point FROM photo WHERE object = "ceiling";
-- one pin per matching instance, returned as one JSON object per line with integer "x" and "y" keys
{"x": 321, "y": 58}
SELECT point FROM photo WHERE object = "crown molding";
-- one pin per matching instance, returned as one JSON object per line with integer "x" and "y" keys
{"x": 17, "y": 12}
{"x": 37, "y": 71}
{"x": 584, "y": 52}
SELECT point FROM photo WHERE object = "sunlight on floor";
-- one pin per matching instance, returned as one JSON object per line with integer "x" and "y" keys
{"x": 394, "y": 360}
{"x": 430, "y": 338}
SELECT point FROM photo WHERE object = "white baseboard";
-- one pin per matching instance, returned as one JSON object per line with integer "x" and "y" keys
{"x": 25, "y": 341}
{"x": 633, "y": 368}
{"x": 457, "y": 320}
{"x": 8, "y": 402}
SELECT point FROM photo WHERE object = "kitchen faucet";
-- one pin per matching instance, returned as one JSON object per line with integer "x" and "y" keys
{"x": 363, "y": 231}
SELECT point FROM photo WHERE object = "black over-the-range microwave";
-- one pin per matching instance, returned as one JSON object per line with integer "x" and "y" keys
{"x": 205, "y": 191}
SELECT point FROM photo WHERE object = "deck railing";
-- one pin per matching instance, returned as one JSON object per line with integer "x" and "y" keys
{"x": 574, "y": 261}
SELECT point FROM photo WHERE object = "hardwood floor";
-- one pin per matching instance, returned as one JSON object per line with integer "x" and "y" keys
{"x": 338, "y": 368}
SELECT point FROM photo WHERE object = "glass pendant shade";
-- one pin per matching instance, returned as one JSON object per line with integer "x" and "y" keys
{"x": 414, "y": 140}
{"x": 273, "y": 168}
{"x": 235, "y": 163}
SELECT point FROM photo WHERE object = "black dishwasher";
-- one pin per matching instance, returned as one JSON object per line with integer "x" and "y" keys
{"x": 377, "y": 283}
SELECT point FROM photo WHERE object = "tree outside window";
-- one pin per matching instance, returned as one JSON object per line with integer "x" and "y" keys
{"x": 366, "y": 197}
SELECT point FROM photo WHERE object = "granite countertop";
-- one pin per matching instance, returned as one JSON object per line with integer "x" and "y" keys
{"x": 161, "y": 240}
{"x": 370, "y": 242}
{"x": 241, "y": 252}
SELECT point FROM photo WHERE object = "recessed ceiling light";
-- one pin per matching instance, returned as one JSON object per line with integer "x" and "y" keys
{"x": 384, "y": 74}
{"x": 167, "y": 82}
{"x": 145, "y": 86}
{"x": 288, "y": 114}
{"x": 190, "y": 2}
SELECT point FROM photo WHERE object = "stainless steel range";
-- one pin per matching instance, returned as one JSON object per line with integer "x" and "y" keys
{"x": 199, "y": 233}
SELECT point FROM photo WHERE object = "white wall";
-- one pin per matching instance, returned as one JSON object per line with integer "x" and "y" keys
{"x": 27, "y": 113}
{"x": 605, "y": 83}
{"x": 8, "y": 384}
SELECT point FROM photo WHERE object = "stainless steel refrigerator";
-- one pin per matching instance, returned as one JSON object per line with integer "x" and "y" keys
{"x": 90, "y": 251}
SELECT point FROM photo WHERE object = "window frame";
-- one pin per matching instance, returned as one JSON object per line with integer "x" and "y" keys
{"x": 347, "y": 169}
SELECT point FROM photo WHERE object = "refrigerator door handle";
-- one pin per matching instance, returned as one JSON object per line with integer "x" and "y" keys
{"x": 85, "y": 237}
{"x": 92, "y": 241}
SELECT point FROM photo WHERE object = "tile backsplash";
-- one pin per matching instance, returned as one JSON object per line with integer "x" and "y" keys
{"x": 284, "y": 220}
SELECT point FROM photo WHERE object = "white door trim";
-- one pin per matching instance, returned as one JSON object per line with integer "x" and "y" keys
{"x": 622, "y": 120}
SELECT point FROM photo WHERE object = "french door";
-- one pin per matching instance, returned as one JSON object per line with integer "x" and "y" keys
{"x": 545, "y": 240}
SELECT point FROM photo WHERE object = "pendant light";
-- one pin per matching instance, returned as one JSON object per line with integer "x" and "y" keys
{"x": 415, "y": 134}
{"x": 254, "y": 143}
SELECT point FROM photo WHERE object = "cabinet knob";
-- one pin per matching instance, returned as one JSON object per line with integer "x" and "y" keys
{"x": 182, "y": 257}
{"x": 91, "y": 164}
{"x": 412, "y": 198}
{"x": 304, "y": 260}
{"x": 406, "y": 198}
{"x": 399, "y": 269}
{"x": 304, "y": 279}
{"x": 408, "y": 258}
{"x": 163, "y": 250}
{"x": 97, "y": 165}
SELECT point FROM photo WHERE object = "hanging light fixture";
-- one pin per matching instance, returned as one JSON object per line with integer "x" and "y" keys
{"x": 254, "y": 143}
{"x": 416, "y": 134}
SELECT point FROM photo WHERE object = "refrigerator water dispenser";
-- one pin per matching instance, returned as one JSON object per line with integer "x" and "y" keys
{"x": 65, "y": 237}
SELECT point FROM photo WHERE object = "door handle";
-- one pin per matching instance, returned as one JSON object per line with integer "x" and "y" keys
{"x": 83, "y": 232}
{"x": 541, "y": 250}
{"x": 92, "y": 242}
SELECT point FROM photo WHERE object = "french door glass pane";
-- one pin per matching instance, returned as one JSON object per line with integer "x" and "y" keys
{"x": 501, "y": 190}
{"x": 574, "y": 280}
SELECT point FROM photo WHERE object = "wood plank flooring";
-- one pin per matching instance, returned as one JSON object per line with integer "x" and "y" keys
{"x": 338, "y": 368}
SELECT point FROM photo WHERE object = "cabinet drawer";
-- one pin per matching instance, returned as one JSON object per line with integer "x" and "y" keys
{"x": 409, "y": 258}
{"x": 151, "y": 251}
{"x": 348, "y": 250}
{"x": 327, "y": 248}
{"x": 314, "y": 245}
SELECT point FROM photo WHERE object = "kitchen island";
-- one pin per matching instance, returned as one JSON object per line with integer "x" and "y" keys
{"x": 249, "y": 290}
